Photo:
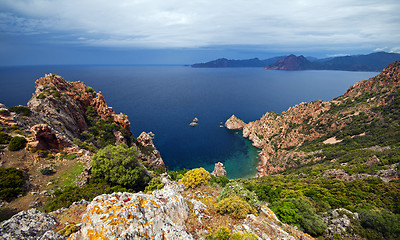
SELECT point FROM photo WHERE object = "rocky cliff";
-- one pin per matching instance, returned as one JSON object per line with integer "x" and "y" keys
{"x": 67, "y": 116}
{"x": 281, "y": 136}
{"x": 62, "y": 105}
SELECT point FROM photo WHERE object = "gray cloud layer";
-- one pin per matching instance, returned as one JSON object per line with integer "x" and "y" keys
{"x": 325, "y": 24}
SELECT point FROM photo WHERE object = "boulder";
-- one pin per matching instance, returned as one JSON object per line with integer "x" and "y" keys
{"x": 161, "y": 215}
{"x": 30, "y": 224}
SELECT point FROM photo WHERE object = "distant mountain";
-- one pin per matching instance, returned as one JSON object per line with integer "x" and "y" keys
{"x": 228, "y": 63}
{"x": 370, "y": 62}
{"x": 291, "y": 62}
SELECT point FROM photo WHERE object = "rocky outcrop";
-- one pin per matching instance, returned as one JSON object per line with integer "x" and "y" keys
{"x": 135, "y": 216}
{"x": 62, "y": 105}
{"x": 30, "y": 224}
{"x": 280, "y": 135}
{"x": 45, "y": 138}
{"x": 219, "y": 170}
{"x": 234, "y": 123}
{"x": 339, "y": 221}
{"x": 149, "y": 151}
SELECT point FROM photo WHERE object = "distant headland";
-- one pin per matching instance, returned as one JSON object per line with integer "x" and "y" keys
{"x": 373, "y": 62}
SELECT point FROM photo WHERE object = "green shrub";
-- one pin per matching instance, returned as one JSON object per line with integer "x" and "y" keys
{"x": 11, "y": 183}
{"x": 89, "y": 89}
{"x": 154, "y": 184}
{"x": 17, "y": 143}
{"x": 196, "y": 177}
{"x": 223, "y": 233}
{"x": 47, "y": 171}
{"x": 237, "y": 189}
{"x": 177, "y": 175}
{"x": 221, "y": 180}
{"x": 119, "y": 165}
{"x": 385, "y": 223}
{"x": 4, "y": 112}
{"x": 23, "y": 110}
{"x": 243, "y": 236}
{"x": 41, "y": 96}
{"x": 235, "y": 206}
{"x": 299, "y": 211}
{"x": 268, "y": 193}
{"x": 4, "y": 138}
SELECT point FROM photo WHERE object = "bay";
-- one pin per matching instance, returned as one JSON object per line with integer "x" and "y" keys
{"x": 165, "y": 99}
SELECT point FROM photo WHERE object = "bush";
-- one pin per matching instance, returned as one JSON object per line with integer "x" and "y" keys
{"x": 4, "y": 112}
{"x": 119, "y": 165}
{"x": 4, "y": 138}
{"x": 11, "y": 183}
{"x": 233, "y": 189}
{"x": 47, "y": 171}
{"x": 381, "y": 221}
{"x": 223, "y": 233}
{"x": 235, "y": 206}
{"x": 23, "y": 110}
{"x": 299, "y": 211}
{"x": 17, "y": 143}
{"x": 196, "y": 177}
{"x": 154, "y": 184}
{"x": 221, "y": 180}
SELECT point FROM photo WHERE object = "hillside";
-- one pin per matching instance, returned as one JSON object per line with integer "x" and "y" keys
{"x": 360, "y": 118}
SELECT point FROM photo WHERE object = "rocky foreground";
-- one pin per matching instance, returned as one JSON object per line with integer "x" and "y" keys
{"x": 164, "y": 214}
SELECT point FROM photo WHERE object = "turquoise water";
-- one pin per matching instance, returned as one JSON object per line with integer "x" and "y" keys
{"x": 165, "y": 99}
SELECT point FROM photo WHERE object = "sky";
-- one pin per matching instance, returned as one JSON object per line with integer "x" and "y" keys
{"x": 40, "y": 32}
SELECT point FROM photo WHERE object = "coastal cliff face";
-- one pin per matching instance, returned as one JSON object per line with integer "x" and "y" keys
{"x": 281, "y": 136}
{"x": 62, "y": 105}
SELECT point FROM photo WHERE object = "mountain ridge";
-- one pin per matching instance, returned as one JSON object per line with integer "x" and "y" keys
{"x": 374, "y": 62}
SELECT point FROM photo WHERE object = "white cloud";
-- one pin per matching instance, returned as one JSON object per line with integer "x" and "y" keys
{"x": 198, "y": 23}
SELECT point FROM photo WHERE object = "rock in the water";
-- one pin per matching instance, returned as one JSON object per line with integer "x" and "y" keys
{"x": 136, "y": 216}
{"x": 30, "y": 224}
{"x": 234, "y": 123}
{"x": 219, "y": 170}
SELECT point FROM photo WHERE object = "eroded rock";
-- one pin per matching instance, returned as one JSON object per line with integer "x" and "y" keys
{"x": 30, "y": 224}
{"x": 135, "y": 216}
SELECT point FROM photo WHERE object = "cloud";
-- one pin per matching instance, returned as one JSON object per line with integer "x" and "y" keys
{"x": 201, "y": 23}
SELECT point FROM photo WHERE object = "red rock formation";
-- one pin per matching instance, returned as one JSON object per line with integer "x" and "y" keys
{"x": 279, "y": 135}
{"x": 219, "y": 170}
{"x": 151, "y": 154}
{"x": 44, "y": 138}
{"x": 60, "y": 101}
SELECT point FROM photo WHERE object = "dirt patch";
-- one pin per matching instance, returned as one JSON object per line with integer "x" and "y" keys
{"x": 332, "y": 140}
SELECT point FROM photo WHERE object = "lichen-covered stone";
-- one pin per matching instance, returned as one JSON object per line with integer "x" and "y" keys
{"x": 30, "y": 224}
{"x": 135, "y": 216}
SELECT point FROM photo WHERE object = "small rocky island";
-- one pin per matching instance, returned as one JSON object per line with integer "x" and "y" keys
{"x": 194, "y": 122}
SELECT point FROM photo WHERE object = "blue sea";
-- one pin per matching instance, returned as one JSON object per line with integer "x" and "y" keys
{"x": 165, "y": 99}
